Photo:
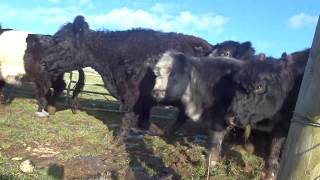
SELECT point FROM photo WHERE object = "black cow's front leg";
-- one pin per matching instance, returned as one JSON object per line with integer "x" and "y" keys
{"x": 58, "y": 86}
{"x": 142, "y": 108}
{"x": 74, "y": 104}
{"x": 181, "y": 119}
{"x": 129, "y": 93}
{"x": 274, "y": 157}
{"x": 217, "y": 132}
{"x": 43, "y": 93}
{"x": 2, "y": 96}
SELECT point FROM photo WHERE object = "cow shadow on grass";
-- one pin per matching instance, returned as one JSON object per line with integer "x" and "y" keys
{"x": 144, "y": 162}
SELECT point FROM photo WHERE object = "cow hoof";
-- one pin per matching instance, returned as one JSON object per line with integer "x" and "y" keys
{"x": 213, "y": 159}
{"x": 156, "y": 130}
{"x": 249, "y": 147}
{"x": 74, "y": 106}
{"x": 42, "y": 114}
{"x": 74, "y": 111}
{"x": 213, "y": 163}
{"x": 2, "y": 99}
{"x": 52, "y": 110}
{"x": 271, "y": 176}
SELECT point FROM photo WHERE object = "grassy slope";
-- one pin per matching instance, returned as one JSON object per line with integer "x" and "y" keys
{"x": 82, "y": 145}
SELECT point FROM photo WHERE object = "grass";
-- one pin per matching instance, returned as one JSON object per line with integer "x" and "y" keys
{"x": 82, "y": 145}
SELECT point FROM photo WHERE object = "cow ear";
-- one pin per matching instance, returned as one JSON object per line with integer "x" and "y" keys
{"x": 214, "y": 52}
{"x": 244, "y": 47}
{"x": 284, "y": 55}
{"x": 79, "y": 24}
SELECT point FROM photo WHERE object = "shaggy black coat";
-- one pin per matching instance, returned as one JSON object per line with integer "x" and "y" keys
{"x": 124, "y": 59}
{"x": 265, "y": 99}
{"x": 37, "y": 45}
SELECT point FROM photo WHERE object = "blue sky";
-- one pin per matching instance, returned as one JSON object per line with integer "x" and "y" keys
{"x": 273, "y": 26}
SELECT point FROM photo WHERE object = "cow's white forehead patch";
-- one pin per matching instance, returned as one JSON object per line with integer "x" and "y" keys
{"x": 165, "y": 61}
{"x": 162, "y": 71}
{"x": 12, "y": 49}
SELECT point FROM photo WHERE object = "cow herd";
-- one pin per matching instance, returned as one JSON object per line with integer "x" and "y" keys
{"x": 223, "y": 85}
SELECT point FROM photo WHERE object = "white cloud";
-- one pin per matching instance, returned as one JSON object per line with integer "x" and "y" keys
{"x": 166, "y": 7}
{"x": 302, "y": 20}
{"x": 185, "y": 21}
{"x": 120, "y": 18}
{"x": 53, "y": 1}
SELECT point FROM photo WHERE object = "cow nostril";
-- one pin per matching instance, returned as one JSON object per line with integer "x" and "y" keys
{"x": 155, "y": 94}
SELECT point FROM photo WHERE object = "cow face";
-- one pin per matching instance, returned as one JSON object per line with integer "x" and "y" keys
{"x": 234, "y": 49}
{"x": 172, "y": 77}
{"x": 260, "y": 93}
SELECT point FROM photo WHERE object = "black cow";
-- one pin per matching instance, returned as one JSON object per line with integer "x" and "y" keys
{"x": 37, "y": 45}
{"x": 265, "y": 98}
{"x": 201, "y": 85}
{"x": 124, "y": 59}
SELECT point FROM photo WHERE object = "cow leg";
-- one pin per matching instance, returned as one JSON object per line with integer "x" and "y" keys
{"x": 217, "y": 132}
{"x": 43, "y": 93}
{"x": 274, "y": 157}
{"x": 58, "y": 86}
{"x": 2, "y": 96}
{"x": 129, "y": 93}
{"x": 143, "y": 108}
{"x": 78, "y": 88}
{"x": 181, "y": 119}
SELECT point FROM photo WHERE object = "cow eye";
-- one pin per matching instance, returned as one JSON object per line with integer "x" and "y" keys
{"x": 172, "y": 73}
{"x": 226, "y": 53}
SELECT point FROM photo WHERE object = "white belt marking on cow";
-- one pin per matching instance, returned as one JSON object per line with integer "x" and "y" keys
{"x": 192, "y": 106}
{"x": 12, "y": 49}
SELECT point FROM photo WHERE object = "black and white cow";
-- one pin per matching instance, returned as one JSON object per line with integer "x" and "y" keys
{"x": 261, "y": 94}
{"x": 265, "y": 98}
{"x": 16, "y": 67}
{"x": 201, "y": 84}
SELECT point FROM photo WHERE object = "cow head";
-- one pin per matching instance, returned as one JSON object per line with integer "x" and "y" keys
{"x": 69, "y": 51}
{"x": 261, "y": 91}
{"x": 234, "y": 49}
{"x": 172, "y": 77}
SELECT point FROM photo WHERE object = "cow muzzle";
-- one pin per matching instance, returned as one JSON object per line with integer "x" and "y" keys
{"x": 159, "y": 95}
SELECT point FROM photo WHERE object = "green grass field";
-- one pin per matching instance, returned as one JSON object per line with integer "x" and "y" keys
{"x": 80, "y": 146}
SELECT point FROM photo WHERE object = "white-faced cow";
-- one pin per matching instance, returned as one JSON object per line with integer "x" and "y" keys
{"x": 17, "y": 67}
{"x": 201, "y": 84}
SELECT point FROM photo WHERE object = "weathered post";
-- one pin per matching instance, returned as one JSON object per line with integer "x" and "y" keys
{"x": 301, "y": 158}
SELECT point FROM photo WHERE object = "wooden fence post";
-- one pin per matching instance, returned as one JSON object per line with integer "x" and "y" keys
{"x": 301, "y": 157}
